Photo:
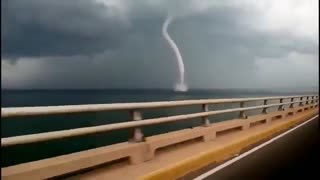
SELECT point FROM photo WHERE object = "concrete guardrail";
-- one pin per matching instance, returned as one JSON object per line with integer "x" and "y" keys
{"x": 139, "y": 148}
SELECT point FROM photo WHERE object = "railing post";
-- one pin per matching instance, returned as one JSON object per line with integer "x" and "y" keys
{"x": 291, "y": 105}
{"x": 205, "y": 120}
{"x": 242, "y": 113}
{"x": 281, "y": 108}
{"x": 301, "y": 99}
{"x": 264, "y": 110}
{"x": 137, "y": 135}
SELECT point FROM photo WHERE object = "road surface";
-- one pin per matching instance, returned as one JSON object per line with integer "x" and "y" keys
{"x": 293, "y": 155}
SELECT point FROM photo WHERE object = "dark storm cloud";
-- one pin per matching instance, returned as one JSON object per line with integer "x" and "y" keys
{"x": 85, "y": 44}
{"x": 58, "y": 28}
{"x": 63, "y": 28}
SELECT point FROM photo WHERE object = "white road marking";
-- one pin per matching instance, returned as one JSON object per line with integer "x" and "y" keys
{"x": 216, "y": 169}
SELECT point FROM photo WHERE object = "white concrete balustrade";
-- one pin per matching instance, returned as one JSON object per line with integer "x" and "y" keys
{"x": 139, "y": 148}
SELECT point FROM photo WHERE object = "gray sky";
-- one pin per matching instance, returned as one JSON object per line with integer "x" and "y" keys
{"x": 118, "y": 43}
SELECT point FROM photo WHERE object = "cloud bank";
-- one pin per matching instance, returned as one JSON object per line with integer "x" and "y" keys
{"x": 118, "y": 43}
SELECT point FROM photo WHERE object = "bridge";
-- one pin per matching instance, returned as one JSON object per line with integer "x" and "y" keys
{"x": 195, "y": 152}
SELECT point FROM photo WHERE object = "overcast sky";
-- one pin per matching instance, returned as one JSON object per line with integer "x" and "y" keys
{"x": 118, "y": 43}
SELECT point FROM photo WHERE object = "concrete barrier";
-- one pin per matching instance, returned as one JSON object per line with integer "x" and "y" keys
{"x": 138, "y": 152}
{"x": 52, "y": 167}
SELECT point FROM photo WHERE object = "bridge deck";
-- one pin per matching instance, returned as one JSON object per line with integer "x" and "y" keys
{"x": 179, "y": 153}
{"x": 293, "y": 155}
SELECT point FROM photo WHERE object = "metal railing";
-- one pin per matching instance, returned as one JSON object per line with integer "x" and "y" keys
{"x": 138, "y": 121}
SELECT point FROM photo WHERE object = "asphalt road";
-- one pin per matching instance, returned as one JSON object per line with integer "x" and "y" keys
{"x": 294, "y": 155}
